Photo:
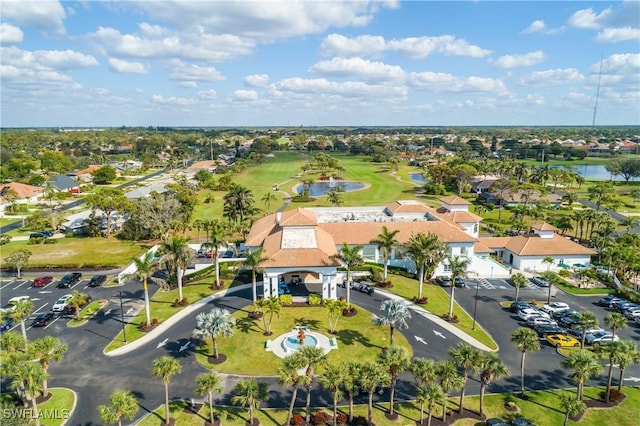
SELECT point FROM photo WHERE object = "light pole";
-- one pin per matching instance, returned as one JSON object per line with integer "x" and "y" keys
{"x": 491, "y": 271}
{"x": 475, "y": 305}
{"x": 124, "y": 333}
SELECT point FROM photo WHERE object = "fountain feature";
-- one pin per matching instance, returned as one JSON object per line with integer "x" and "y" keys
{"x": 332, "y": 182}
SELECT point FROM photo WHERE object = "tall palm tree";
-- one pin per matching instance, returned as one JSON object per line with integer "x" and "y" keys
{"x": 351, "y": 383}
{"x": 145, "y": 267}
{"x": 587, "y": 320}
{"x": 267, "y": 199}
{"x": 611, "y": 352}
{"x": 313, "y": 358}
{"x": 238, "y": 203}
{"x": 615, "y": 321}
{"x": 629, "y": 355}
{"x": 217, "y": 237}
{"x": 253, "y": 260}
{"x": 459, "y": 268}
{"x": 331, "y": 379}
{"x": 33, "y": 376}
{"x": 11, "y": 342}
{"x": 218, "y": 322}
{"x": 449, "y": 380}
{"x": 467, "y": 359}
{"x": 491, "y": 368}
{"x": 250, "y": 393}
{"x": 394, "y": 313}
{"x": 165, "y": 367}
{"x": 197, "y": 224}
{"x": 177, "y": 257}
{"x": 122, "y": 405}
{"x": 350, "y": 257}
{"x": 373, "y": 375}
{"x": 22, "y": 311}
{"x": 423, "y": 370}
{"x": 77, "y": 300}
{"x": 426, "y": 251}
{"x": 48, "y": 349}
{"x": 271, "y": 306}
{"x": 549, "y": 261}
{"x": 207, "y": 384}
{"x": 526, "y": 340}
{"x": 396, "y": 360}
{"x": 571, "y": 406}
{"x": 518, "y": 280}
{"x": 584, "y": 365}
{"x": 386, "y": 242}
{"x": 431, "y": 394}
{"x": 288, "y": 375}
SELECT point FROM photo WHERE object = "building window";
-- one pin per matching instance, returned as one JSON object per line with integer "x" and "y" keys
{"x": 398, "y": 254}
{"x": 369, "y": 253}
{"x": 463, "y": 251}
{"x": 475, "y": 228}
{"x": 447, "y": 267}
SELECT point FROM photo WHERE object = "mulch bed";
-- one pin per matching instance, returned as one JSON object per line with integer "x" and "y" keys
{"x": 454, "y": 417}
{"x": 349, "y": 312}
{"x": 171, "y": 422}
{"x": 221, "y": 358}
{"x": 216, "y": 422}
{"x": 41, "y": 399}
{"x": 195, "y": 409}
{"x": 147, "y": 328}
{"x": 598, "y": 404}
{"x": 255, "y": 315}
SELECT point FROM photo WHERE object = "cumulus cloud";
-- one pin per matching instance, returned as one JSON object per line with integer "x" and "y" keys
{"x": 536, "y": 26}
{"x": 442, "y": 82}
{"x": 360, "y": 68}
{"x": 614, "y": 35}
{"x": 173, "y": 100}
{"x": 552, "y": 77}
{"x": 524, "y": 60}
{"x": 256, "y": 80}
{"x": 54, "y": 59}
{"x": 347, "y": 89}
{"x": 362, "y": 45}
{"x": 193, "y": 72}
{"x": 207, "y": 94}
{"x": 245, "y": 95}
{"x": 587, "y": 18}
{"x": 10, "y": 34}
{"x": 126, "y": 67}
{"x": 46, "y": 16}
{"x": 188, "y": 84}
{"x": 617, "y": 23}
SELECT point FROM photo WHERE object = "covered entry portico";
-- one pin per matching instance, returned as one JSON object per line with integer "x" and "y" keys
{"x": 321, "y": 280}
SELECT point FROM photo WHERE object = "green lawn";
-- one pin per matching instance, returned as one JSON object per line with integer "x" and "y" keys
{"x": 87, "y": 313}
{"x": 245, "y": 350}
{"x": 57, "y": 410}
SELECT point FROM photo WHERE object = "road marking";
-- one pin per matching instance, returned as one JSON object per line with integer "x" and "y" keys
{"x": 437, "y": 333}
{"x": 128, "y": 311}
{"x": 75, "y": 285}
{"x": 107, "y": 312}
{"x": 20, "y": 285}
{"x": 45, "y": 292}
{"x": 420, "y": 339}
{"x": 7, "y": 284}
{"x": 51, "y": 322}
{"x": 186, "y": 345}
{"x": 632, "y": 379}
{"x": 37, "y": 310}
{"x": 160, "y": 344}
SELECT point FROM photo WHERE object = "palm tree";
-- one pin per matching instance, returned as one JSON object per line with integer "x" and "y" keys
{"x": 267, "y": 199}
{"x": 587, "y": 320}
{"x": 198, "y": 224}
{"x": 334, "y": 311}
{"x": 431, "y": 394}
{"x": 423, "y": 370}
{"x": 33, "y": 376}
{"x": 11, "y": 342}
{"x": 571, "y": 406}
{"x": 491, "y": 367}
{"x": 449, "y": 380}
{"x": 426, "y": 251}
{"x": 585, "y": 364}
{"x": 467, "y": 359}
{"x": 217, "y": 237}
{"x": 288, "y": 376}
{"x": 207, "y": 384}
{"x": 526, "y": 340}
{"x": 177, "y": 257}
{"x": 331, "y": 380}
{"x": 77, "y": 300}
{"x": 218, "y": 322}
{"x": 48, "y": 349}
{"x": 351, "y": 383}
{"x": 250, "y": 393}
{"x": 122, "y": 405}
{"x": 518, "y": 280}
{"x": 610, "y": 352}
{"x": 386, "y": 242}
{"x": 349, "y": 256}
{"x": 238, "y": 203}
{"x": 549, "y": 261}
{"x": 145, "y": 267}
{"x": 253, "y": 260}
{"x": 615, "y": 321}
{"x": 396, "y": 360}
{"x": 165, "y": 367}
{"x": 334, "y": 196}
{"x": 271, "y": 306}
{"x": 394, "y": 313}
{"x": 458, "y": 270}
{"x": 21, "y": 312}
{"x": 629, "y": 355}
{"x": 313, "y": 358}
{"x": 372, "y": 375}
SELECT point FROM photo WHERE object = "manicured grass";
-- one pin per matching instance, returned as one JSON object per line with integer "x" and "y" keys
{"x": 73, "y": 252}
{"x": 438, "y": 304}
{"x": 571, "y": 289}
{"x": 542, "y": 408}
{"x": 245, "y": 350}
{"x": 58, "y": 407}
{"x": 87, "y": 313}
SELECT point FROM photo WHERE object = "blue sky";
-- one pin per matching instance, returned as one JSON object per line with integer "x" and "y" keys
{"x": 318, "y": 63}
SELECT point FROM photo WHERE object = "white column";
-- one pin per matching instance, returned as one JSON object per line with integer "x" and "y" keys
{"x": 333, "y": 284}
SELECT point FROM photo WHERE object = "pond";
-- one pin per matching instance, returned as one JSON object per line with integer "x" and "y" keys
{"x": 418, "y": 178}
{"x": 593, "y": 171}
{"x": 318, "y": 189}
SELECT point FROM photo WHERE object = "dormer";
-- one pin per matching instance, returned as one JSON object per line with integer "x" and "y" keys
{"x": 453, "y": 203}
{"x": 544, "y": 230}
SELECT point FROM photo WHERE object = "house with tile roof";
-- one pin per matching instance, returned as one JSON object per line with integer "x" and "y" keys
{"x": 18, "y": 193}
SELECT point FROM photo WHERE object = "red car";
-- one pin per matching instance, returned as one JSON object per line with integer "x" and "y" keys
{"x": 42, "y": 281}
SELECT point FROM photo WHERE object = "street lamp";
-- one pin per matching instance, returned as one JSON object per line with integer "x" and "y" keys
{"x": 475, "y": 306}
{"x": 124, "y": 333}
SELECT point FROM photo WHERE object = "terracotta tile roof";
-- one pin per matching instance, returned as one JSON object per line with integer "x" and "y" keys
{"x": 495, "y": 242}
{"x": 87, "y": 171}
{"x": 260, "y": 229}
{"x": 407, "y": 206}
{"x": 298, "y": 217}
{"x": 299, "y": 257}
{"x": 544, "y": 226}
{"x": 454, "y": 200}
{"x": 479, "y": 247}
{"x": 458, "y": 217}
{"x": 22, "y": 190}
{"x": 363, "y": 232}
{"x": 533, "y": 245}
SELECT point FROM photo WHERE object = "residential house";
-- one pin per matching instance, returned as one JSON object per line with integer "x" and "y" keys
{"x": 18, "y": 193}
{"x": 62, "y": 183}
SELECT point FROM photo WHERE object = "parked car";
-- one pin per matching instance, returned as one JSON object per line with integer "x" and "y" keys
{"x": 61, "y": 303}
{"x": 527, "y": 313}
{"x": 443, "y": 281}
{"x": 538, "y": 320}
{"x": 228, "y": 254}
{"x": 41, "y": 234}
{"x": 633, "y": 314}
{"x": 202, "y": 252}
{"x": 69, "y": 310}
{"x": 69, "y": 280}
{"x": 42, "y": 319}
{"x": 598, "y": 336}
{"x": 562, "y": 341}
{"x": 539, "y": 281}
{"x": 6, "y": 320}
{"x": 16, "y": 299}
{"x": 97, "y": 281}
{"x": 604, "y": 340}
{"x": 545, "y": 329}
{"x": 554, "y": 307}
{"x": 577, "y": 330}
{"x": 459, "y": 282}
{"x": 637, "y": 320}
{"x": 519, "y": 305}
{"x": 42, "y": 281}
{"x": 607, "y": 301}
{"x": 621, "y": 307}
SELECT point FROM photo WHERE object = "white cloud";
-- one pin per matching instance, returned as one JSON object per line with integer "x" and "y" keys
{"x": 552, "y": 77}
{"x": 256, "y": 80}
{"x": 524, "y": 60}
{"x": 535, "y": 99}
{"x": 587, "y": 18}
{"x": 361, "y": 45}
{"x": 626, "y": 63}
{"x": 536, "y": 26}
{"x": 188, "y": 84}
{"x": 441, "y": 82}
{"x": 193, "y": 72}
{"x": 46, "y": 16}
{"x": 10, "y": 34}
{"x": 55, "y": 59}
{"x": 348, "y": 89}
{"x": 207, "y": 94}
{"x": 126, "y": 67}
{"x": 361, "y": 68}
{"x": 173, "y": 100}
{"x": 614, "y": 35}
{"x": 245, "y": 95}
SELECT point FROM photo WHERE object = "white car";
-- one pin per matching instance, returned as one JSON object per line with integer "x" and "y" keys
{"x": 599, "y": 336}
{"x": 632, "y": 314}
{"x": 61, "y": 303}
{"x": 605, "y": 340}
{"x": 527, "y": 313}
{"x": 540, "y": 320}
{"x": 555, "y": 307}
{"x": 16, "y": 299}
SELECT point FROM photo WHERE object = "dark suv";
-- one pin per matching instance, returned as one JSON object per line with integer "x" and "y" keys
{"x": 97, "y": 281}
{"x": 41, "y": 234}
{"x": 42, "y": 319}
{"x": 69, "y": 280}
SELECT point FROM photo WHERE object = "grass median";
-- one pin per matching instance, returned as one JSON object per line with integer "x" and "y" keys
{"x": 87, "y": 313}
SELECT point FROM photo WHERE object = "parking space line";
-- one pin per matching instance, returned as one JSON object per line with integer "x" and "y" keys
{"x": 20, "y": 285}
{"x": 51, "y": 322}
{"x": 7, "y": 284}
{"x": 76, "y": 284}
{"x": 37, "y": 310}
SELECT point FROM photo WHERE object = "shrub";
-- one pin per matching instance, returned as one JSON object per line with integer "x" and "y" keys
{"x": 564, "y": 273}
{"x": 419, "y": 300}
{"x": 296, "y": 420}
{"x": 341, "y": 419}
{"x": 286, "y": 300}
{"x": 315, "y": 299}
{"x": 615, "y": 395}
{"x": 321, "y": 418}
